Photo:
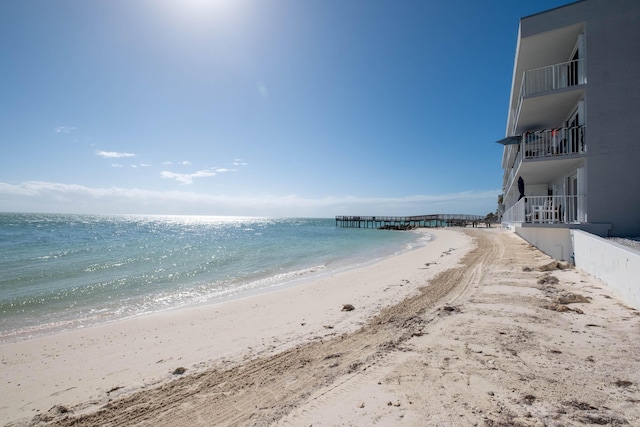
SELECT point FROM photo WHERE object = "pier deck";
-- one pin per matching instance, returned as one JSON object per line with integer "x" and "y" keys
{"x": 407, "y": 222}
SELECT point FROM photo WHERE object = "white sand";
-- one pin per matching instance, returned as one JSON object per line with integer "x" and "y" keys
{"x": 85, "y": 368}
{"x": 488, "y": 335}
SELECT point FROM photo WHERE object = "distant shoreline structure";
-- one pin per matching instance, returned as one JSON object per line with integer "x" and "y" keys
{"x": 409, "y": 222}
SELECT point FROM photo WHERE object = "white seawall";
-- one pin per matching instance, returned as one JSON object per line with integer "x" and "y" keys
{"x": 617, "y": 265}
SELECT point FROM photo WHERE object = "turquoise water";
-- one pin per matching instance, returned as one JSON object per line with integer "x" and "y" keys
{"x": 67, "y": 271}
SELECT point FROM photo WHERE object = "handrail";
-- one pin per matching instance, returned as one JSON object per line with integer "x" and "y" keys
{"x": 554, "y": 77}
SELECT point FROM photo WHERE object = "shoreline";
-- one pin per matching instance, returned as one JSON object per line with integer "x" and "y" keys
{"x": 249, "y": 288}
{"x": 118, "y": 358}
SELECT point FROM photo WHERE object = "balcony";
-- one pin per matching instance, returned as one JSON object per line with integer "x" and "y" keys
{"x": 553, "y": 77}
{"x": 561, "y": 84}
{"x": 549, "y": 144}
{"x": 547, "y": 210}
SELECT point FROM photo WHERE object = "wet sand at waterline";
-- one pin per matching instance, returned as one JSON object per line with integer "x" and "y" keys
{"x": 476, "y": 328}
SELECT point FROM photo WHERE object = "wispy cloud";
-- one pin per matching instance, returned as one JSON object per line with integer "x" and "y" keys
{"x": 34, "y": 196}
{"x": 185, "y": 163}
{"x": 239, "y": 162}
{"x": 114, "y": 154}
{"x": 116, "y": 165}
{"x": 65, "y": 129}
{"x": 185, "y": 178}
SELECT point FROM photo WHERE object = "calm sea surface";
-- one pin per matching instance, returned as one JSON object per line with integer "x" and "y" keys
{"x": 67, "y": 271}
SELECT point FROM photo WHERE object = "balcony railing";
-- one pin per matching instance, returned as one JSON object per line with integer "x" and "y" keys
{"x": 547, "y": 210}
{"x": 548, "y": 143}
{"x": 553, "y": 77}
{"x": 550, "y": 78}
{"x": 554, "y": 142}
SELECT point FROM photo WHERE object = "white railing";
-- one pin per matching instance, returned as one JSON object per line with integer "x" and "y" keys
{"x": 553, "y": 77}
{"x": 546, "y": 79}
{"x": 515, "y": 213}
{"x": 547, "y": 210}
{"x": 554, "y": 142}
{"x": 547, "y": 143}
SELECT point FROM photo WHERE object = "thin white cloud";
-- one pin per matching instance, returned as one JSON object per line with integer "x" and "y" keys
{"x": 34, "y": 196}
{"x": 116, "y": 165}
{"x": 65, "y": 129}
{"x": 239, "y": 162}
{"x": 186, "y": 163}
{"x": 114, "y": 154}
{"x": 187, "y": 178}
{"x": 167, "y": 163}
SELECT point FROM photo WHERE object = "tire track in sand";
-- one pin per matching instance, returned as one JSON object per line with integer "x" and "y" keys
{"x": 452, "y": 287}
{"x": 264, "y": 390}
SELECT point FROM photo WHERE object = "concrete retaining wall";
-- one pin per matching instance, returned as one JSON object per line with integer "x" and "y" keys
{"x": 617, "y": 265}
{"x": 555, "y": 242}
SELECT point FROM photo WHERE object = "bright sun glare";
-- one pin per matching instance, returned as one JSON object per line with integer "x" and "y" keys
{"x": 196, "y": 16}
{"x": 207, "y": 5}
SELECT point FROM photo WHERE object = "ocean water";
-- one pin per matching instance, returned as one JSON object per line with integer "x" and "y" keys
{"x": 61, "y": 272}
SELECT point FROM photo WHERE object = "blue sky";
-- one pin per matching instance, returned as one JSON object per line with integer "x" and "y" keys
{"x": 264, "y": 107}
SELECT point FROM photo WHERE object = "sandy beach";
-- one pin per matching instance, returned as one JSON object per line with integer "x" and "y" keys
{"x": 476, "y": 328}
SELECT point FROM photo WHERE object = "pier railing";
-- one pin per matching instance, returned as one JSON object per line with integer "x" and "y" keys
{"x": 417, "y": 221}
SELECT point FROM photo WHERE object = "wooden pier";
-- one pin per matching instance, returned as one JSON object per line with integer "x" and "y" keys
{"x": 409, "y": 222}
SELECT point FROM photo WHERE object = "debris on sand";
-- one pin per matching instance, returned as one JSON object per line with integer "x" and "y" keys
{"x": 51, "y": 415}
{"x": 561, "y": 308}
{"x": 59, "y": 410}
{"x": 555, "y": 265}
{"x": 348, "y": 307}
{"x": 623, "y": 383}
{"x": 548, "y": 279}
{"x": 572, "y": 299}
{"x": 116, "y": 388}
{"x": 449, "y": 309}
{"x": 179, "y": 371}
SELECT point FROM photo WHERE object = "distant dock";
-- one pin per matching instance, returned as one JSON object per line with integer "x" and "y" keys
{"x": 409, "y": 222}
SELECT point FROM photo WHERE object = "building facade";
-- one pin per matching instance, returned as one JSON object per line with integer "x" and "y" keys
{"x": 571, "y": 154}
